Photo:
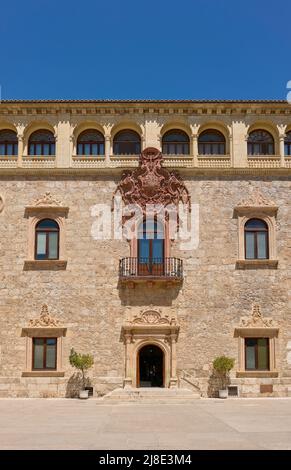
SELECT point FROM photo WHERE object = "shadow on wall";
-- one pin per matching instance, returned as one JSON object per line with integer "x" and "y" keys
{"x": 214, "y": 384}
{"x": 75, "y": 384}
{"x": 143, "y": 295}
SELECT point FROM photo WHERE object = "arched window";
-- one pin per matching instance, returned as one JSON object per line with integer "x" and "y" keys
{"x": 256, "y": 239}
{"x": 288, "y": 143}
{"x": 151, "y": 241}
{"x": 126, "y": 142}
{"x": 41, "y": 142}
{"x": 47, "y": 239}
{"x": 8, "y": 142}
{"x": 211, "y": 142}
{"x": 260, "y": 142}
{"x": 90, "y": 142}
{"x": 176, "y": 142}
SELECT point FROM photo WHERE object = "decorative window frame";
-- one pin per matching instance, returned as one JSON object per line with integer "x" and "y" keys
{"x": 256, "y": 326}
{"x": 46, "y": 207}
{"x": 257, "y": 207}
{"x": 49, "y": 327}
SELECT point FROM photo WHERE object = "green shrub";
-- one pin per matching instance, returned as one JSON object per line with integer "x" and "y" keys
{"x": 223, "y": 365}
{"x": 81, "y": 362}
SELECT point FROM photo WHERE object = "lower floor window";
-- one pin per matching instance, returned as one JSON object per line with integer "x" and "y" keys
{"x": 44, "y": 353}
{"x": 257, "y": 353}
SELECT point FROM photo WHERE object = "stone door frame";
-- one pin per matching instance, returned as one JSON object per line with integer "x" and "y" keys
{"x": 150, "y": 328}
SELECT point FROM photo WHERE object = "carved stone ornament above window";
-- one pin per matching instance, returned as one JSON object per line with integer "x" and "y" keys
{"x": 152, "y": 184}
{"x": 1, "y": 204}
{"x": 45, "y": 319}
{"x": 44, "y": 324}
{"x": 47, "y": 204}
{"x": 256, "y": 202}
{"x": 153, "y": 317}
{"x": 256, "y": 319}
{"x": 256, "y": 324}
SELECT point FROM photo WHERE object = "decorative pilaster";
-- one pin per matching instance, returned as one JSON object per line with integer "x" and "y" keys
{"x": 107, "y": 148}
{"x": 127, "y": 372}
{"x": 282, "y": 149}
{"x": 194, "y": 149}
{"x": 173, "y": 379}
{"x": 20, "y": 149}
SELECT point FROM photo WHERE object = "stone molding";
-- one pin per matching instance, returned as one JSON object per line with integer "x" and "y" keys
{"x": 47, "y": 204}
{"x": 45, "y": 325}
{"x": 50, "y": 207}
{"x": 256, "y": 326}
{"x": 256, "y": 206}
{"x": 256, "y": 202}
{"x": 148, "y": 327}
{"x": 45, "y": 265}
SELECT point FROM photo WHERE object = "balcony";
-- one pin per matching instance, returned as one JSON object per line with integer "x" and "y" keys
{"x": 133, "y": 270}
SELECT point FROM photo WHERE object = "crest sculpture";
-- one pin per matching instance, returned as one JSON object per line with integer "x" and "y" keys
{"x": 256, "y": 319}
{"x": 150, "y": 183}
{"x": 44, "y": 320}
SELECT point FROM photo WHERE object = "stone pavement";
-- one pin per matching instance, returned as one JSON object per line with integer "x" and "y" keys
{"x": 204, "y": 424}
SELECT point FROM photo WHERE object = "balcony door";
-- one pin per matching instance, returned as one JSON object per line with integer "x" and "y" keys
{"x": 151, "y": 248}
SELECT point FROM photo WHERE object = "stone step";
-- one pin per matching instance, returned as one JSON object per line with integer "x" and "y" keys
{"x": 150, "y": 395}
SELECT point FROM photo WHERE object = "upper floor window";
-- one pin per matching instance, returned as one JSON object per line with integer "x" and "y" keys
{"x": 47, "y": 240}
{"x": 41, "y": 142}
{"x": 256, "y": 239}
{"x": 260, "y": 142}
{"x": 176, "y": 142}
{"x": 90, "y": 142}
{"x": 257, "y": 354}
{"x": 151, "y": 247}
{"x": 211, "y": 142}
{"x": 126, "y": 142}
{"x": 288, "y": 143}
{"x": 44, "y": 354}
{"x": 8, "y": 142}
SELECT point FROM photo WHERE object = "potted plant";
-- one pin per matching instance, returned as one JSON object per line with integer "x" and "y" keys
{"x": 222, "y": 365}
{"x": 82, "y": 362}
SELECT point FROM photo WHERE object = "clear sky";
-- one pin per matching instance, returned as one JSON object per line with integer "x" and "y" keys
{"x": 145, "y": 49}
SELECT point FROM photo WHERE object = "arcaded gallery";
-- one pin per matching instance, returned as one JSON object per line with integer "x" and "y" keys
{"x": 154, "y": 236}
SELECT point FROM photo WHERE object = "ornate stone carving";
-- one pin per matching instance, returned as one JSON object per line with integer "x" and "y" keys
{"x": 44, "y": 320}
{"x": 47, "y": 200}
{"x": 153, "y": 317}
{"x": 1, "y": 204}
{"x": 152, "y": 184}
{"x": 256, "y": 199}
{"x": 256, "y": 319}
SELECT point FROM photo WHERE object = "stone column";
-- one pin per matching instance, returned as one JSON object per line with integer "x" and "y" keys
{"x": 173, "y": 379}
{"x": 282, "y": 149}
{"x": 128, "y": 376}
{"x": 194, "y": 148}
{"x": 107, "y": 149}
{"x": 20, "y": 149}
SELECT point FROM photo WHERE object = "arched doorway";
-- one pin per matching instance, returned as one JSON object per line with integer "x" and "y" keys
{"x": 150, "y": 367}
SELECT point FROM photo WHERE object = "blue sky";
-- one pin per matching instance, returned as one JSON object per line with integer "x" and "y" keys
{"x": 145, "y": 49}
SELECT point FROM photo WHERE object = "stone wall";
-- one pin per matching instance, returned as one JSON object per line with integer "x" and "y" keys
{"x": 87, "y": 299}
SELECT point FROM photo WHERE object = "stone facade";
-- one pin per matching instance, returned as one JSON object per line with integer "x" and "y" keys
{"x": 91, "y": 310}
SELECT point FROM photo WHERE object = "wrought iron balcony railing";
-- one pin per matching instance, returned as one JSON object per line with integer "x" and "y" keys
{"x": 163, "y": 268}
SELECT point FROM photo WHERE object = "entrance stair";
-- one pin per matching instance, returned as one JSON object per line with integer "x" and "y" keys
{"x": 150, "y": 395}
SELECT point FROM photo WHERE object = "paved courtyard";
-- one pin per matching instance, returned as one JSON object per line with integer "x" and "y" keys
{"x": 206, "y": 424}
